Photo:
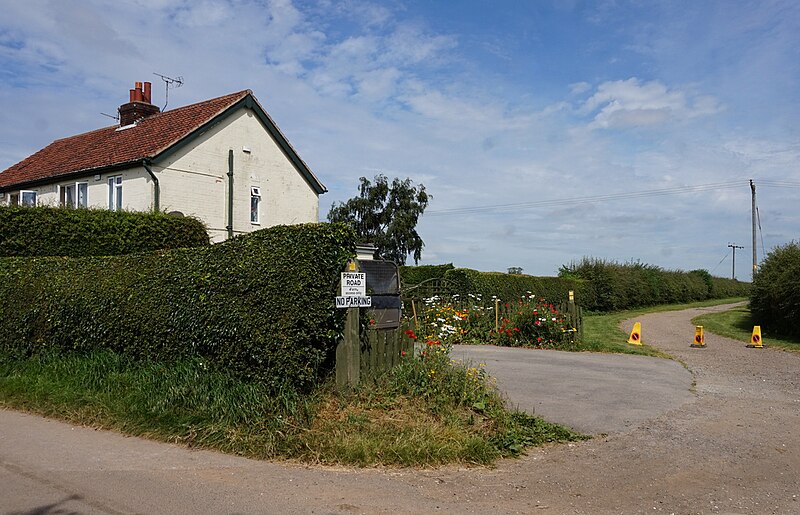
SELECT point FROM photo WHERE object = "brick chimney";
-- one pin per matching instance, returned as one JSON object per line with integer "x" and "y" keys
{"x": 138, "y": 107}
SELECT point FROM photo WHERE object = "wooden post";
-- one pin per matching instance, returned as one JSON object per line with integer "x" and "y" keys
{"x": 414, "y": 310}
{"x": 496, "y": 315}
{"x": 348, "y": 353}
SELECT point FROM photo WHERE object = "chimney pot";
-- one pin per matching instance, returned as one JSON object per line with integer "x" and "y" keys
{"x": 139, "y": 106}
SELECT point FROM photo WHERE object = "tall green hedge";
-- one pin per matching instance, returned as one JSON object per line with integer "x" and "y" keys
{"x": 513, "y": 286}
{"x": 620, "y": 286}
{"x": 599, "y": 285}
{"x": 48, "y": 231}
{"x": 259, "y": 305}
{"x": 775, "y": 298}
{"x": 411, "y": 275}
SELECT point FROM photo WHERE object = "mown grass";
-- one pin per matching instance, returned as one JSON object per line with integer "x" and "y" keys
{"x": 601, "y": 332}
{"x": 737, "y": 324}
{"x": 425, "y": 412}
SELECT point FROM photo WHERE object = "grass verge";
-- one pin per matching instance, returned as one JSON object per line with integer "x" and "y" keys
{"x": 601, "y": 332}
{"x": 427, "y": 411}
{"x": 737, "y": 324}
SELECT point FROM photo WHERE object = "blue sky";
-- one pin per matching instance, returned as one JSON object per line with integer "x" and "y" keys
{"x": 545, "y": 130}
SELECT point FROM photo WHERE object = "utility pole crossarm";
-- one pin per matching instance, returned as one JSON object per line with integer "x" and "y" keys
{"x": 733, "y": 267}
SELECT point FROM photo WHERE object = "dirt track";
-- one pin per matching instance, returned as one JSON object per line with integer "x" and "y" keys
{"x": 734, "y": 448}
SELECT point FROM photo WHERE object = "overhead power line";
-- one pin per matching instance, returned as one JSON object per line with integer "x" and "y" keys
{"x": 677, "y": 190}
{"x": 779, "y": 184}
{"x": 720, "y": 261}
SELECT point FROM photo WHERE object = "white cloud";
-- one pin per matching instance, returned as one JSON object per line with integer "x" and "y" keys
{"x": 579, "y": 87}
{"x": 203, "y": 14}
{"x": 410, "y": 44}
{"x": 631, "y": 102}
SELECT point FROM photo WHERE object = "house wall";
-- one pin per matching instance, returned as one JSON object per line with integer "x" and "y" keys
{"x": 194, "y": 181}
{"x": 137, "y": 190}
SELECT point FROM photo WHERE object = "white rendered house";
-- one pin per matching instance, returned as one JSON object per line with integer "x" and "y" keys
{"x": 223, "y": 161}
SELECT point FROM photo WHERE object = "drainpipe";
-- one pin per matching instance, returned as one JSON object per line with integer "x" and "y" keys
{"x": 230, "y": 194}
{"x": 156, "y": 187}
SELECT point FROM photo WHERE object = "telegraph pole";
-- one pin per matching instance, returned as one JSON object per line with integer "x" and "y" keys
{"x": 753, "y": 209}
{"x": 733, "y": 268}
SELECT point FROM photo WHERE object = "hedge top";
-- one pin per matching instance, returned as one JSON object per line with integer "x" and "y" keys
{"x": 49, "y": 231}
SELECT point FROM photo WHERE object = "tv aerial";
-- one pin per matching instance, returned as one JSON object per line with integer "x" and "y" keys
{"x": 169, "y": 82}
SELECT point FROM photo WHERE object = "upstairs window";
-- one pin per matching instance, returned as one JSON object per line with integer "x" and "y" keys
{"x": 255, "y": 205}
{"x": 115, "y": 193}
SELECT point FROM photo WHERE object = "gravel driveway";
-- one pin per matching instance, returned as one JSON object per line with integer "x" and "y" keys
{"x": 733, "y": 448}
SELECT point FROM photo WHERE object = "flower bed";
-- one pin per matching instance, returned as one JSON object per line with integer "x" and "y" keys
{"x": 525, "y": 322}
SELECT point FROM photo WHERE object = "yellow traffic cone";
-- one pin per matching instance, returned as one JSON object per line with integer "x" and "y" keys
{"x": 699, "y": 338}
{"x": 755, "y": 340}
{"x": 636, "y": 334}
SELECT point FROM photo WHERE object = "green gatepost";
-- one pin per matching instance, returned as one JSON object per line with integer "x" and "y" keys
{"x": 348, "y": 352}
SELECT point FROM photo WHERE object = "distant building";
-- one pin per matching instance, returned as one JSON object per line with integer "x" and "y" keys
{"x": 182, "y": 161}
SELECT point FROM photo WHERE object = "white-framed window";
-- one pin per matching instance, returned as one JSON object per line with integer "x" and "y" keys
{"x": 74, "y": 195}
{"x": 255, "y": 205}
{"x": 27, "y": 198}
{"x": 115, "y": 193}
{"x": 82, "y": 198}
{"x": 67, "y": 195}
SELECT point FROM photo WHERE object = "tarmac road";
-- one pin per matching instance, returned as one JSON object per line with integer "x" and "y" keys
{"x": 591, "y": 393}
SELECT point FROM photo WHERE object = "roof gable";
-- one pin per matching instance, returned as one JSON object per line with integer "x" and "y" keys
{"x": 151, "y": 138}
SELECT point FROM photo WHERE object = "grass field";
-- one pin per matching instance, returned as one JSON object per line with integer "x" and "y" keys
{"x": 738, "y": 325}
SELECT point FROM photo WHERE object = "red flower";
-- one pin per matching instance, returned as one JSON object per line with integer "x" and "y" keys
{"x": 516, "y": 329}
{"x": 538, "y": 322}
{"x": 372, "y": 322}
{"x": 411, "y": 334}
{"x": 403, "y": 353}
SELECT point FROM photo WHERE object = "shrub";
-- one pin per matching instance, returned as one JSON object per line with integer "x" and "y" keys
{"x": 259, "y": 305}
{"x": 508, "y": 287}
{"x": 48, "y": 231}
{"x": 620, "y": 286}
{"x": 775, "y": 296}
{"x": 411, "y": 275}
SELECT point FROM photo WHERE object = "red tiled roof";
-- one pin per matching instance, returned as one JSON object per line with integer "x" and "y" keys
{"x": 108, "y": 147}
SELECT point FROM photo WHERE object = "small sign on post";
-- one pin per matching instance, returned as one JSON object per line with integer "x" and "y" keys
{"x": 353, "y": 302}
{"x": 354, "y": 284}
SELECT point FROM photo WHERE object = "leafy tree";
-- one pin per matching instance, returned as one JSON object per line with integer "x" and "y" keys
{"x": 775, "y": 294}
{"x": 386, "y": 215}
